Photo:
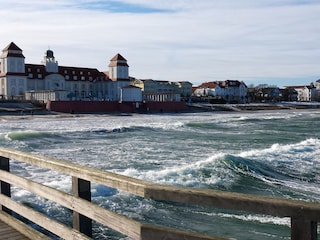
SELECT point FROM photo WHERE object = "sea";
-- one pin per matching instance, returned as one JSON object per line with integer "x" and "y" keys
{"x": 267, "y": 153}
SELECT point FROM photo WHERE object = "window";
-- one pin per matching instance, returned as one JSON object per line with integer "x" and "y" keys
{"x": 65, "y": 71}
{"x": 67, "y": 77}
{"x": 75, "y": 78}
{"x": 39, "y": 75}
{"x": 83, "y": 78}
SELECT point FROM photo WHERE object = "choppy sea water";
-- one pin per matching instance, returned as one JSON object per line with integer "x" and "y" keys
{"x": 264, "y": 153}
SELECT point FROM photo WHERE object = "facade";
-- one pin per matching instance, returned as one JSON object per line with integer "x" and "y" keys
{"x": 304, "y": 93}
{"x": 184, "y": 88}
{"x": 49, "y": 81}
{"x": 263, "y": 93}
{"x": 229, "y": 90}
{"x": 131, "y": 94}
{"x": 13, "y": 81}
{"x": 162, "y": 91}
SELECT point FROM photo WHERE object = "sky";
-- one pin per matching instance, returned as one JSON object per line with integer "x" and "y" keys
{"x": 274, "y": 42}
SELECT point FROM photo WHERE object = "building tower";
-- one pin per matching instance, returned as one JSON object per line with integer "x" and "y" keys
{"x": 50, "y": 62}
{"x": 13, "y": 81}
{"x": 118, "y": 68}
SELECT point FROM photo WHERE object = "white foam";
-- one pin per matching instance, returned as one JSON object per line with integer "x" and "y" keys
{"x": 251, "y": 218}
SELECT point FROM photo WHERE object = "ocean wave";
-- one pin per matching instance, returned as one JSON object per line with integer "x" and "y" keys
{"x": 25, "y": 135}
{"x": 289, "y": 170}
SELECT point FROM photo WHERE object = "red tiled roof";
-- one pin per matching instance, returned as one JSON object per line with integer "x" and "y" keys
{"x": 209, "y": 85}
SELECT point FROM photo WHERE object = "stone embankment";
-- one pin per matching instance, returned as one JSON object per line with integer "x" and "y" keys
{"x": 19, "y": 108}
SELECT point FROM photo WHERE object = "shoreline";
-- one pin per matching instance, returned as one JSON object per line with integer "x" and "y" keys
{"x": 20, "y": 112}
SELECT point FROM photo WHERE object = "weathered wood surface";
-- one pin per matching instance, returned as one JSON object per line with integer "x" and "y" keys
{"x": 304, "y": 212}
{"x": 227, "y": 200}
{"x": 8, "y": 233}
{"x": 12, "y": 224}
{"x": 108, "y": 218}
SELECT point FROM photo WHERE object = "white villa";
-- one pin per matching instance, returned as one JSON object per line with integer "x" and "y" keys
{"x": 49, "y": 81}
{"x": 229, "y": 90}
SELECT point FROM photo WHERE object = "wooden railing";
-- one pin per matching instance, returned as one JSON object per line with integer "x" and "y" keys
{"x": 304, "y": 215}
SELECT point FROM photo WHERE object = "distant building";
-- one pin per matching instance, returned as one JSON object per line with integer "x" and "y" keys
{"x": 162, "y": 91}
{"x": 49, "y": 81}
{"x": 13, "y": 80}
{"x": 264, "y": 93}
{"x": 228, "y": 90}
{"x": 304, "y": 93}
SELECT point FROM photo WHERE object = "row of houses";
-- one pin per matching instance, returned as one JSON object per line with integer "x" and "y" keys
{"x": 236, "y": 91}
{"x": 48, "y": 81}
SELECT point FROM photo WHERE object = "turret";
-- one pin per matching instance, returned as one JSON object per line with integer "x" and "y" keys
{"x": 12, "y": 59}
{"x": 50, "y": 62}
{"x": 118, "y": 68}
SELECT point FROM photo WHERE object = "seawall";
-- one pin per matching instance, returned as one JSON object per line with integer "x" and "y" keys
{"x": 113, "y": 106}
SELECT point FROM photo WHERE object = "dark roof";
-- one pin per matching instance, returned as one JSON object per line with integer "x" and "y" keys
{"x": 118, "y": 60}
{"x": 12, "y": 50}
{"x": 38, "y": 71}
{"x": 12, "y": 46}
{"x": 118, "y": 57}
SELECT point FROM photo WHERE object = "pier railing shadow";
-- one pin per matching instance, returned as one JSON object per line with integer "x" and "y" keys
{"x": 304, "y": 215}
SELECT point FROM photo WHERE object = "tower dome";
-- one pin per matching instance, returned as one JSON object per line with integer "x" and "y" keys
{"x": 49, "y": 54}
{"x": 50, "y": 62}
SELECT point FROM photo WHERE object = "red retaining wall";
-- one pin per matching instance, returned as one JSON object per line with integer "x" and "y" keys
{"x": 106, "y": 107}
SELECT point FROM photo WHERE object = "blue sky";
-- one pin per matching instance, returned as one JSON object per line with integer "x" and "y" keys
{"x": 273, "y": 42}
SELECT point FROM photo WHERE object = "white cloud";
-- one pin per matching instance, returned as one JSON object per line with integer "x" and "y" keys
{"x": 194, "y": 40}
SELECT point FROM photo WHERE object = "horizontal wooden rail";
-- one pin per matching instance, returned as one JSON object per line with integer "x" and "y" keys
{"x": 304, "y": 215}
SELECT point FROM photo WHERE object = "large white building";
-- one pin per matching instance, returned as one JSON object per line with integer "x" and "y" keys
{"x": 49, "y": 81}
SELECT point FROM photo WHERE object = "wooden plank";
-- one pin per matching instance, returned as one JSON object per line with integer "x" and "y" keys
{"x": 42, "y": 220}
{"x": 303, "y": 229}
{"x": 115, "y": 221}
{"x": 237, "y": 201}
{"x": 82, "y": 189}
{"x": 108, "y": 218}
{"x": 251, "y": 203}
{"x": 5, "y": 188}
{"x": 159, "y": 233}
{"x": 135, "y": 186}
{"x": 24, "y": 231}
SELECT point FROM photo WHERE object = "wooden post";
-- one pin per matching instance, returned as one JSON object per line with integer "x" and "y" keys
{"x": 5, "y": 188}
{"x": 303, "y": 229}
{"x": 82, "y": 188}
